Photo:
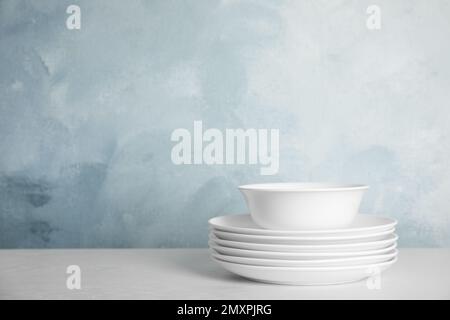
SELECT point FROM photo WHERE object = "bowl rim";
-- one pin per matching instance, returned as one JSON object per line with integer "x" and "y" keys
{"x": 302, "y": 187}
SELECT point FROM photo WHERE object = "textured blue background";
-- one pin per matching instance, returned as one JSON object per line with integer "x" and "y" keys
{"x": 86, "y": 116}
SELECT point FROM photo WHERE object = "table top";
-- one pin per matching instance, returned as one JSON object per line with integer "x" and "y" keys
{"x": 191, "y": 274}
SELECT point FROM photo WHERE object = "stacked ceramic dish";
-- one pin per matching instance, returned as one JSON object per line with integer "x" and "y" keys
{"x": 303, "y": 234}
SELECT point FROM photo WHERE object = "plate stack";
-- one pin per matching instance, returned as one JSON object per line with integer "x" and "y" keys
{"x": 297, "y": 250}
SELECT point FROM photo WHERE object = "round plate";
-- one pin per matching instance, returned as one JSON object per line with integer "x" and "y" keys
{"x": 340, "y": 239}
{"x": 243, "y": 223}
{"x": 337, "y": 262}
{"x": 296, "y": 255}
{"x": 372, "y": 245}
{"x": 305, "y": 276}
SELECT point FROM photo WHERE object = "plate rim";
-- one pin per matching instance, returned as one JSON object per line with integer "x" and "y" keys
{"x": 313, "y": 254}
{"x": 318, "y": 239}
{"x": 245, "y": 230}
{"x": 393, "y": 253}
{"x": 313, "y": 246}
{"x": 342, "y": 268}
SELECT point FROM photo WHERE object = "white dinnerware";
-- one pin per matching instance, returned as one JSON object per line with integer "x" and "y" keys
{"x": 363, "y": 224}
{"x": 306, "y": 276}
{"x": 336, "y": 262}
{"x": 297, "y": 255}
{"x": 360, "y": 246}
{"x": 340, "y": 239}
{"x": 303, "y": 234}
{"x": 303, "y": 206}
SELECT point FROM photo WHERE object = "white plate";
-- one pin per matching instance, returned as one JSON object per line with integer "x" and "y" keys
{"x": 341, "y": 239}
{"x": 337, "y": 262}
{"x": 243, "y": 223}
{"x": 372, "y": 245}
{"x": 296, "y": 255}
{"x": 305, "y": 276}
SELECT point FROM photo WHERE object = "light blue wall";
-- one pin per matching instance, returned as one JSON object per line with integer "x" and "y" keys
{"x": 86, "y": 115}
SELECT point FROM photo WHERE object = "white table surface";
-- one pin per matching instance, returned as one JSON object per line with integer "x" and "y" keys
{"x": 190, "y": 274}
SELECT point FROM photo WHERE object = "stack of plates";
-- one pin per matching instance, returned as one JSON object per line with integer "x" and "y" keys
{"x": 306, "y": 257}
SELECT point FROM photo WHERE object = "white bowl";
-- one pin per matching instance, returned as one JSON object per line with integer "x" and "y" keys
{"x": 303, "y": 206}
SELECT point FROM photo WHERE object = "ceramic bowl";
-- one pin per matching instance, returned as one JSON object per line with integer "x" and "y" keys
{"x": 303, "y": 206}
